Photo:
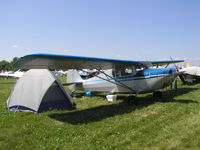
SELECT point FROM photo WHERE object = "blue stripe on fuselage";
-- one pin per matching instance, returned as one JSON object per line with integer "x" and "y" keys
{"x": 144, "y": 74}
{"x": 151, "y": 72}
{"x": 159, "y": 71}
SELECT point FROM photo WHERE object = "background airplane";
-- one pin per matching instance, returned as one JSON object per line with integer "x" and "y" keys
{"x": 191, "y": 74}
{"x": 112, "y": 76}
{"x": 11, "y": 74}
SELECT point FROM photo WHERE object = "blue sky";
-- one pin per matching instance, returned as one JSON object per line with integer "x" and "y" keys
{"x": 124, "y": 29}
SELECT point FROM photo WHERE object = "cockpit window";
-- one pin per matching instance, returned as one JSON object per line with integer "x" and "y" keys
{"x": 124, "y": 71}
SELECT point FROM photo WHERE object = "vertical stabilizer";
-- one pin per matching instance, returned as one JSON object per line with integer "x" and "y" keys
{"x": 73, "y": 76}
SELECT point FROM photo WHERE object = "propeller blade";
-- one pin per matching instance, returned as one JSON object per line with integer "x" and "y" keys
{"x": 182, "y": 79}
{"x": 174, "y": 64}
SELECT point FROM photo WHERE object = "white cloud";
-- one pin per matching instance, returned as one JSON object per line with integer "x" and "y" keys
{"x": 14, "y": 46}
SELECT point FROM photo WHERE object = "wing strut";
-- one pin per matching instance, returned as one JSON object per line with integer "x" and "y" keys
{"x": 167, "y": 65}
{"x": 110, "y": 77}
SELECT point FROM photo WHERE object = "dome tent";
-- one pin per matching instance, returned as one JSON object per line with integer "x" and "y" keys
{"x": 38, "y": 90}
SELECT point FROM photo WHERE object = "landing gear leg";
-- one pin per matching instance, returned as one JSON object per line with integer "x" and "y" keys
{"x": 132, "y": 100}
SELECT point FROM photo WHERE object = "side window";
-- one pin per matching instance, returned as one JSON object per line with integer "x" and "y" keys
{"x": 124, "y": 71}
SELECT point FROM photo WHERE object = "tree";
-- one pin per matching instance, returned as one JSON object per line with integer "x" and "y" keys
{"x": 14, "y": 60}
{"x": 5, "y": 66}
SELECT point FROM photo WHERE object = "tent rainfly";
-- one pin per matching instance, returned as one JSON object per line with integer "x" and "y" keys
{"x": 38, "y": 90}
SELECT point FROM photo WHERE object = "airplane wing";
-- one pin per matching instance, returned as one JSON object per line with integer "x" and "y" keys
{"x": 52, "y": 62}
{"x": 165, "y": 62}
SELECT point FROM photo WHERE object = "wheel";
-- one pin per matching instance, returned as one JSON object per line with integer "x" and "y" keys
{"x": 132, "y": 100}
{"x": 157, "y": 94}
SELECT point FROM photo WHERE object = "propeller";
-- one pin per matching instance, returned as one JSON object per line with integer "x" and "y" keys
{"x": 181, "y": 76}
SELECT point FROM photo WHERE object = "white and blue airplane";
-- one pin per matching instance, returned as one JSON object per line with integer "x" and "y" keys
{"x": 112, "y": 75}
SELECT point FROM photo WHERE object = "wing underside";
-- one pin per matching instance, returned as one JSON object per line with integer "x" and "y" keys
{"x": 52, "y": 62}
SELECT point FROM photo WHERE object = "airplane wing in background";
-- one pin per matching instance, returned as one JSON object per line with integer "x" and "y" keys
{"x": 165, "y": 62}
{"x": 53, "y": 61}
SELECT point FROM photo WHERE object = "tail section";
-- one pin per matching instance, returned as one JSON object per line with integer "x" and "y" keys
{"x": 74, "y": 81}
{"x": 73, "y": 77}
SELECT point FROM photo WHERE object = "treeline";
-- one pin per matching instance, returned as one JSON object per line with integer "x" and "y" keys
{"x": 6, "y": 66}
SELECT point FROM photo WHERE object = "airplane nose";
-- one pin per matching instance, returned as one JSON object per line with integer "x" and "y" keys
{"x": 170, "y": 71}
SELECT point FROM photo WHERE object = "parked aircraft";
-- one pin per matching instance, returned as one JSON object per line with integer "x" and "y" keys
{"x": 190, "y": 74}
{"x": 113, "y": 75}
{"x": 11, "y": 74}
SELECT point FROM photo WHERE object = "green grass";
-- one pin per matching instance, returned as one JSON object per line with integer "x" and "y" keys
{"x": 172, "y": 123}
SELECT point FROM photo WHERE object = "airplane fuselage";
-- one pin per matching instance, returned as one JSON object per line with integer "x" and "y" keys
{"x": 144, "y": 81}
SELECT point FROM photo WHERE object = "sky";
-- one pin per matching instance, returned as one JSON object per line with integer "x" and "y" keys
{"x": 120, "y": 29}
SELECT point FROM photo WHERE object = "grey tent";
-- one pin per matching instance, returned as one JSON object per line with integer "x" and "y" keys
{"x": 38, "y": 90}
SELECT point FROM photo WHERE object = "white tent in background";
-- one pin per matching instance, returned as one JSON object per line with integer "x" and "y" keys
{"x": 38, "y": 90}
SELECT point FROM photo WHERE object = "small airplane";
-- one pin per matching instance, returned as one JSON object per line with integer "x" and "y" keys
{"x": 112, "y": 75}
{"x": 11, "y": 74}
{"x": 190, "y": 74}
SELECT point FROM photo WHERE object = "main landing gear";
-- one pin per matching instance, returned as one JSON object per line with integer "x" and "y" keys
{"x": 132, "y": 100}
{"x": 157, "y": 95}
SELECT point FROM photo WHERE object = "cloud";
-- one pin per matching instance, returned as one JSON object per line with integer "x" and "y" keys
{"x": 14, "y": 46}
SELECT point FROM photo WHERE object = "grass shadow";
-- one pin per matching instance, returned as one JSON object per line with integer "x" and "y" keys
{"x": 170, "y": 94}
{"x": 106, "y": 111}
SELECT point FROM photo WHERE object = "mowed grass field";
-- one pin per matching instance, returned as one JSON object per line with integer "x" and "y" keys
{"x": 170, "y": 123}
